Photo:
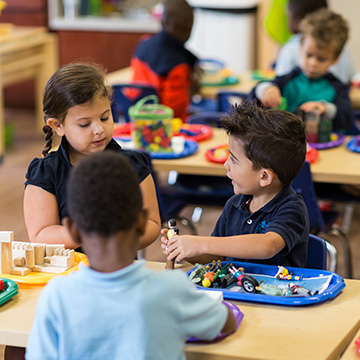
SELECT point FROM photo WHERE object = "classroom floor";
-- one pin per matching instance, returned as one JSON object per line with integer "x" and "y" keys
{"x": 28, "y": 144}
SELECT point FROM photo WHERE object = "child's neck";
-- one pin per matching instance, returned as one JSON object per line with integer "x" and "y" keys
{"x": 109, "y": 254}
{"x": 261, "y": 199}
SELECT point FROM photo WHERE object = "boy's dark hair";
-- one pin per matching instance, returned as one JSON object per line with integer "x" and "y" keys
{"x": 177, "y": 19}
{"x": 73, "y": 84}
{"x": 273, "y": 139}
{"x": 327, "y": 28}
{"x": 300, "y": 8}
{"x": 103, "y": 194}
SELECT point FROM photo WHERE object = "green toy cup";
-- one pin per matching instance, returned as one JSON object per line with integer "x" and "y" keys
{"x": 151, "y": 125}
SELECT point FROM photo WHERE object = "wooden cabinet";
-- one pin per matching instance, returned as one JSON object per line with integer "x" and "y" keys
{"x": 111, "y": 49}
{"x": 25, "y": 13}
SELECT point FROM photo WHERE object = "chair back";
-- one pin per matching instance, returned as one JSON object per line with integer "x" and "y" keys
{"x": 126, "y": 95}
{"x": 303, "y": 185}
{"x": 317, "y": 253}
{"x": 228, "y": 98}
{"x": 211, "y": 118}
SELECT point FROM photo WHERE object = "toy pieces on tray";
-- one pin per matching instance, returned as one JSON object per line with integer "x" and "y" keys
{"x": 267, "y": 283}
{"x": 8, "y": 289}
{"x": 354, "y": 144}
{"x": 196, "y": 132}
{"x": 218, "y": 154}
{"x": 238, "y": 317}
{"x": 267, "y": 74}
{"x": 335, "y": 141}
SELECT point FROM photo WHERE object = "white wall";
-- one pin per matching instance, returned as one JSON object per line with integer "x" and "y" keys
{"x": 350, "y": 9}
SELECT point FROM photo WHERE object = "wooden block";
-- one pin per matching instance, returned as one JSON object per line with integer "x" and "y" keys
{"x": 49, "y": 269}
{"x": 50, "y": 249}
{"x": 60, "y": 260}
{"x": 20, "y": 271}
{"x": 6, "y": 239}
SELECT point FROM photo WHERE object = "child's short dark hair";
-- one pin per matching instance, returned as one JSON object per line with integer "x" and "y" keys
{"x": 103, "y": 194}
{"x": 300, "y": 8}
{"x": 273, "y": 139}
{"x": 327, "y": 28}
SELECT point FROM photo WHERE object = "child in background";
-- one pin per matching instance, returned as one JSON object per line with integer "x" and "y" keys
{"x": 265, "y": 221}
{"x": 311, "y": 87}
{"x": 163, "y": 62}
{"x": 77, "y": 107}
{"x": 288, "y": 58}
{"x": 118, "y": 308}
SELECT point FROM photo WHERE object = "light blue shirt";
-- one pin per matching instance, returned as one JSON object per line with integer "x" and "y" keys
{"x": 133, "y": 313}
{"x": 289, "y": 58}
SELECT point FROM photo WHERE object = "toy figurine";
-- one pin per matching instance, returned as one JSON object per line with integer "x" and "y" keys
{"x": 173, "y": 230}
{"x": 269, "y": 289}
{"x": 248, "y": 282}
{"x": 209, "y": 278}
{"x": 297, "y": 290}
{"x": 284, "y": 274}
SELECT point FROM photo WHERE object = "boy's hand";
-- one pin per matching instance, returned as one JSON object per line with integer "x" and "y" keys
{"x": 180, "y": 247}
{"x": 271, "y": 97}
{"x": 314, "y": 105}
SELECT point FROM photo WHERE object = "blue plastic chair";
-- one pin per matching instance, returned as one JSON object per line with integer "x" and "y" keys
{"x": 228, "y": 98}
{"x": 321, "y": 221}
{"x": 317, "y": 253}
{"x": 126, "y": 95}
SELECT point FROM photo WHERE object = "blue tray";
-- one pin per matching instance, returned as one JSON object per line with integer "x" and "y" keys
{"x": 190, "y": 147}
{"x": 258, "y": 270}
{"x": 351, "y": 145}
{"x": 11, "y": 289}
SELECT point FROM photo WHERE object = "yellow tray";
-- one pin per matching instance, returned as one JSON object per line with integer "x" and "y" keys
{"x": 40, "y": 278}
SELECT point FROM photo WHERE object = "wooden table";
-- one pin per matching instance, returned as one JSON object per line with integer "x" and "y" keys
{"x": 26, "y": 53}
{"x": 337, "y": 165}
{"x": 351, "y": 351}
{"x": 315, "y": 332}
{"x": 245, "y": 84}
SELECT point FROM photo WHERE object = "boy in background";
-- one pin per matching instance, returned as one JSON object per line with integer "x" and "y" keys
{"x": 117, "y": 308}
{"x": 311, "y": 87}
{"x": 265, "y": 221}
{"x": 288, "y": 58}
{"x": 163, "y": 62}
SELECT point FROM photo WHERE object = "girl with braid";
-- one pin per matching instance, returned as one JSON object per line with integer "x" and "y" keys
{"x": 76, "y": 105}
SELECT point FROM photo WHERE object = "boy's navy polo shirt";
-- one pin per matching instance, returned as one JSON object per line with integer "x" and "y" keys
{"x": 285, "y": 214}
{"x": 51, "y": 172}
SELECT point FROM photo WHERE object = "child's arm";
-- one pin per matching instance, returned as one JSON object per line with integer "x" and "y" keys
{"x": 153, "y": 223}
{"x": 42, "y": 221}
{"x": 269, "y": 94}
{"x": 249, "y": 246}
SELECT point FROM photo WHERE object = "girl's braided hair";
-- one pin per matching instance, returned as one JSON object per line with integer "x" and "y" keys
{"x": 73, "y": 84}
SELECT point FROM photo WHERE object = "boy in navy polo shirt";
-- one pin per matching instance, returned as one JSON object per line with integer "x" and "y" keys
{"x": 265, "y": 221}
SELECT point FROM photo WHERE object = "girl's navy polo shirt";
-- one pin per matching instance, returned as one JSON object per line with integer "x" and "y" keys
{"x": 285, "y": 214}
{"x": 51, "y": 173}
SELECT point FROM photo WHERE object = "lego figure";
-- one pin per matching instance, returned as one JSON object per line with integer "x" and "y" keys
{"x": 173, "y": 230}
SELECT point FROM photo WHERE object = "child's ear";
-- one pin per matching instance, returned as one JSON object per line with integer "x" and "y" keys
{"x": 56, "y": 125}
{"x": 72, "y": 229}
{"x": 267, "y": 177}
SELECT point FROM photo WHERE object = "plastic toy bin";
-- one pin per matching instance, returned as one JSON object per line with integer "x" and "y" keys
{"x": 152, "y": 127}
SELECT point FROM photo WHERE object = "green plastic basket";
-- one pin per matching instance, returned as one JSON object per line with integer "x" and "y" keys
{"x": 152, "y": 127}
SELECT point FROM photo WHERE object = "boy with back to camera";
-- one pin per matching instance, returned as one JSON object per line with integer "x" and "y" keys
{"x": 265, "y": 221}
{"x": 311, "y": 87}
{"x": 288, "y": 58}
{"x": 117, "y": 308}
{"x": 163, "y": 62}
